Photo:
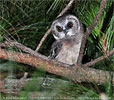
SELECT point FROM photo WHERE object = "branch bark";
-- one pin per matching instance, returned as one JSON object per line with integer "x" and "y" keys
{"x": 32, "y": 52}
{"x": 22, "y": 47}
{"x": 88, "y": 32}
{"x": 75, "y": 73}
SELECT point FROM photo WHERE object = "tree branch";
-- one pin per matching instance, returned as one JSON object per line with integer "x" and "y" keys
{"x": 77, "y": 74}
{"x": 98, "y": 59}
{"x": 5, "y": 44}
{"x": 32, "y": 52}
{"x": 49, "y": 30}
{"x": 22, "y": 47}
{"x": 88, "y": 32}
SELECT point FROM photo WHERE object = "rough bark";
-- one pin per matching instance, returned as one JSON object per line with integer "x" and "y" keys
{"x": 75, "y": 73}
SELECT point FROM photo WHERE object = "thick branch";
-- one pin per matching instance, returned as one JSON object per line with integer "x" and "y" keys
{"x": 88, "y": 32}
{"x": 49, "y": 30}
{"x": 32, "y": 52}
{"x": 77, "y": 74}
{"x": 59, "y": 68}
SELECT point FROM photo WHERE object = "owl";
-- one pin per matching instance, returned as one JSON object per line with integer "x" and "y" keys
{"x": 68, "y": 32}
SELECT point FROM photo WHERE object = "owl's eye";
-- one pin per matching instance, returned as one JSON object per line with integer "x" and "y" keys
{"x": 59, "y": 29}
{"x": 69, "y": 25}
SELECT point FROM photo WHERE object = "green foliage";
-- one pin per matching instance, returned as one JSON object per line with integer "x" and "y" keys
{"x": 27, "y": 21}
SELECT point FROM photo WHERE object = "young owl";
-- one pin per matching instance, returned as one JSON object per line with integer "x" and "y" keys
{"x": 68, "y": 32}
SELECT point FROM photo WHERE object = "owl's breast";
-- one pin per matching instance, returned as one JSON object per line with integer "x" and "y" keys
{"x": 69, "y": 52}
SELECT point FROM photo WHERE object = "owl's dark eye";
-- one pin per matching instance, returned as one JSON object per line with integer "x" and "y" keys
{"x": 69, "y": 25}
{"x": 59, "y": 29}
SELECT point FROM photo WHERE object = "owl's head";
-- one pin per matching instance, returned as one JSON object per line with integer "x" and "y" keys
{"x": 65, "y": 26}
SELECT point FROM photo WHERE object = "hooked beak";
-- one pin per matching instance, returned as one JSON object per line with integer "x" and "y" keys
{"x": 65, "y": 31}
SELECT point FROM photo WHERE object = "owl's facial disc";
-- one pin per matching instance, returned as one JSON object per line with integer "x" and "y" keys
{"x": 65, "y": 26}
{"x": 64, "y": 30}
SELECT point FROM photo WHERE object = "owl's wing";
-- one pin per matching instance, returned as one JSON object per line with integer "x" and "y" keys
{"x": 56, "y": 47}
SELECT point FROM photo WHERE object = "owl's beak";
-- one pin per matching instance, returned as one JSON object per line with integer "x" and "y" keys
{"x": 65, "y": 31}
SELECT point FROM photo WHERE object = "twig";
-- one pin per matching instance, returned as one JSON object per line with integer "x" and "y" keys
{"x": 22, "y": 47}
{"x": 42, "y": 40}
{"x": 98, "y": 59}
{"x": 66, "y": 8}
{"x": 5, "y": 44}
{"x": 88, "y": 32}
{"x": 49, "y": 30}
